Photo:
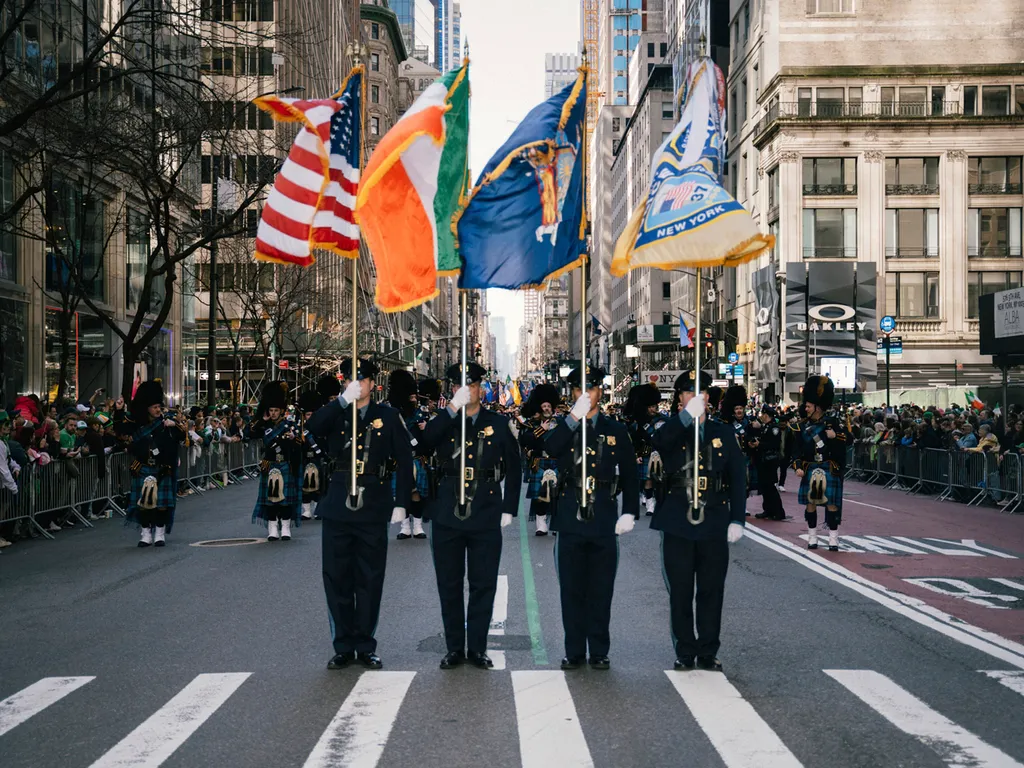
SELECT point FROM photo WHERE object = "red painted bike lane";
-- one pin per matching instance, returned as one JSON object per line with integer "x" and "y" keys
{"x": 965, "y": 561}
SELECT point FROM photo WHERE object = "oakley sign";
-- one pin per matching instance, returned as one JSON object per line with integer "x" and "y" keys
{"x": 831, "y": 317}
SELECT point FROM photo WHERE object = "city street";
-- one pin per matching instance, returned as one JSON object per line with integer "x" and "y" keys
{"x": 216, "y": 655}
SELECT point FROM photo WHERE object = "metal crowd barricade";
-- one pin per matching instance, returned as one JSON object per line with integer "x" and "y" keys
{"x": 19, "y": 506}
{"x": 908, "y": 468}
{"x": 936, "y": 475}
{"x": 885, "y": 466}
{"x": 1010, "y": 475}
{"x": 119, "y": 482}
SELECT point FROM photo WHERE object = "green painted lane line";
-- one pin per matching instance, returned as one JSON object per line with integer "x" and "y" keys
{"x": 540, "y": 654}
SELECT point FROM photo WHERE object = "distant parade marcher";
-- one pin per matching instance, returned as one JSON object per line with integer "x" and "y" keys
{"x": 312, "y": 464}
{"x": 641, "y": 411}
{"x": 355, "y": 528}
{"x": 466, "y": 539}
{"x": 538, "y": 412}
{"x": 820, "y": 460}
{"x": 766, "y": 446}
{"x": 695, "y": 542}
{"x": 328, "y": 388}
{"x": 154, "y": 438}
{"x": 587, "y": 548}
{"x": 734, "y": 413}
{"x": 279, "y": 497}
{"x": 403, "y": 395}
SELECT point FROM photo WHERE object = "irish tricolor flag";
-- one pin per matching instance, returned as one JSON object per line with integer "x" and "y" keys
{"x": 411, "y": 187}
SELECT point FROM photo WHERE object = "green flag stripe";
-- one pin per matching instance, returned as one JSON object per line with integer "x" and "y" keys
{"x": 451, "y": 178}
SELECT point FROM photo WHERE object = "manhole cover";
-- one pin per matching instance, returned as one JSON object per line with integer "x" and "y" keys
{"x": 227, "y": 542}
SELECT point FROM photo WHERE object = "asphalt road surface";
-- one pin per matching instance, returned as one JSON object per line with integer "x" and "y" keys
{"x": 216, "y": 655}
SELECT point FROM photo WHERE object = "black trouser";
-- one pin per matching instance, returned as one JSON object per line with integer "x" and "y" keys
{"x": 700, "y": 563}
{"x": 771, "y": 501}
{"x": 154, "y": 517}
{"x": 783, "y": 469}
{"x": 586, "y": 579}
{"x": 539, "y": 508}
{"x": 354, "y": 559}
{"x": 416, "y": 509}
{"x": 459, "y": 554}
{"x": 274, "y": 513}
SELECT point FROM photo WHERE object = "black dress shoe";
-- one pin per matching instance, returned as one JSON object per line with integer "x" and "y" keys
{"x": 574, "y": 662}
{"x": 480, "y": 660}
{"x": 709, "y": 663}
{"x": 541, "y": 533}
{"x": 600, "y": 662}
{"x": 341, "y": 660}
{"x": 453, "y": 659}
{"x": 684, "y": 664}
{"x": 370, "y": 660}
{"x": 419, "y": 536}
{"x": 403, "y": 536}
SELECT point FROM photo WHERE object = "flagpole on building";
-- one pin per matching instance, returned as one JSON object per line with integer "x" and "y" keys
{"x": 583, "y": 302}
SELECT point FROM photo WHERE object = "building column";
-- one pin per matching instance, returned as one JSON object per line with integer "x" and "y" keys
{"x": 953, "y": 241}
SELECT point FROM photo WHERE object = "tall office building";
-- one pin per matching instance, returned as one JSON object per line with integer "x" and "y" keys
{"x": 416, "y": 18}
{"x": 447, "y": 34}
{"x": 560, "y": 69}
{"x": 620, "y": 24}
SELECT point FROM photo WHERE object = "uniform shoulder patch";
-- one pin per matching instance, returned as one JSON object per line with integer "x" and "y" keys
{"x": 775, "y": 430}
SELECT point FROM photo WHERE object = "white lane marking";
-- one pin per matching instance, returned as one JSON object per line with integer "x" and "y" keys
{"x": 739, "y": 735}
{"x": 940, "y": 550}
{"x": 19, "y": 707}
{"x": 895, "y": 545}
{"x": 910, "y": 607}
{"x": 356, "y": 737}
{"x": 955, "y": 745}
{"x": 499, "y": 611}
{"x": 962, "y": 590}
{"x": 974, "y": 545}
{"x": 870, "y": 546}
{"x": 165, "y": 730}
{"x": 498, "y": 657}
{"x": 1011, "y": 679}
{"x": 865, "y": 504}
{"x": 1008, "y": 583}
{"x": 549, "y": 729}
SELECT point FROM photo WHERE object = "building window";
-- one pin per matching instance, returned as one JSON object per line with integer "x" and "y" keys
{"x": 1019, "y": 110}
{"x": 856, "y": 101}
{"x": 912, "y": 294}
{"x": 938, "y": 100}
{"x": 137, "y": 244}
{"x": 803, "y": 102}
{"x": 970, "y": 100}
{"x": 830, "y": 176}
{"x": 375, "y": 94}
{"x": 664, "y": 53}
{"x": 666, "y": 290}
{"x": 830, "y": 6}
{"x": 74, "y": 238}
{"x": 375, "y": 126}
{"x": 995, "y": 100}
{"x": 914, "y": 101}
{"x": 773, "y": 193}
{"x": 8, "y": 240}
{"x": 732, "y": 111}
{"x": 912, "y": 176}
{"x": 743, "y": 100}
{"x": 375, "y": 31}
{"x": 666, "y": 110}
{"x": 982, "y": 283}
{"x": 830, "y": 102}
{"x": 911, "y": 233}
{"x": 830, "y": 233}
{"x": 650, "y": 50}
{"x": 375, "y": 62}
{"x": 666, "y": 318}
{"x": 994, "y": 175}
{"x": 993, "y": 233}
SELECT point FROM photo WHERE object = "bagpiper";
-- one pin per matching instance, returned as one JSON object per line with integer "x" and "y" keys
{"x": 279, "y": 498}
{"x": 312, "y": 456}
{"x": 355, "y": 528}
{"x": 695, "y": 538}
{"x": 466, "y": 537}
{"x": 403, "y": 396}
{"x": 766, "y": 445}
{"x": 153, "y": 448}
{"x": 643, "y": 416}
{"x": 820, "y": 460}
{"x": 538, "y": 411}
{"x": 587, "y": 548}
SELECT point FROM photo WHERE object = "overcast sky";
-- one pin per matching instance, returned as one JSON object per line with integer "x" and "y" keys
{"x": 507, "y": 43}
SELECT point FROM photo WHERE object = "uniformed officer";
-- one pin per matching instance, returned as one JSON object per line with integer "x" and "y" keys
{"x": 355, "y": 530}
{"x": 403, "y": 395}
{"x": 820, "y": 460}
{"x": 538, "y": 412}
{"x": 766, "y": 443}
{"x": 466, "y": 538}
{"x": 695, "y": 551}
{"x": 587, "y": 548}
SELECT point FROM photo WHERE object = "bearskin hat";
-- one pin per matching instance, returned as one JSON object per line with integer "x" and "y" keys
{"x": 734, "y": 396}
{"x": 402, "y": 390}
{"x": 149, "y": 393}
{"x": 275, "y": 395}
{"x": 714, "y": 398}
{"x": 310, "y": 401}
{"x": 430, "y": 389}
{"x": 542, "y": 393}
{"x": 819, "y": 390}
{"x": 640, "y": 398}
{"x": 328, "y": 387}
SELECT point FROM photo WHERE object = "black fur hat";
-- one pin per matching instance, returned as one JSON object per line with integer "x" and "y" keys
{"x": 734, "y": 395}
{"x": 328, "y": 387}
{"x": 310, "y": 401}
{"x": 430, "y": 389}
{"x": 275, "y": 395}
{"x": 640, "y": 398}
{"x": 149, "y": 393}
{"x": 819, "y": 390}
{"x": 402, "y": 391}
{"x": 542, "y": 393}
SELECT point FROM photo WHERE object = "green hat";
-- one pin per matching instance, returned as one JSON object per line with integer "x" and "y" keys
{"x": 4, "y": 416}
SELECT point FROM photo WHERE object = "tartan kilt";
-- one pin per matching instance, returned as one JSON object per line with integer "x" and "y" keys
{"x": 292, "y": 493}
{"x": 533, "y": 489}
{"x": 311, "y": 496}
{"x": 166, "y": 491}
{"x": 643, "y": 469}
{"x": 422, "y": 479}
{"x": 833, "y": 485}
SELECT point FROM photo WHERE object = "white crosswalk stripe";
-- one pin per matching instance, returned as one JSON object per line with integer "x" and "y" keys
{"x": 499, "y": 615}
{"x": 357, "y": 735}
{"x": 739, "y": 735}
{"x": 1012, "y": 679}
{"x": 549, "y": 729}
{"x": 955, "y": 745}
{"x": 16, "y": 709}
{"x": 162, "y": 733}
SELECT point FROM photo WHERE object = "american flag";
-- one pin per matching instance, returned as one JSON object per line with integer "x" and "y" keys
{"x": 313, "y": 199}
{"x": 678, "y": 196}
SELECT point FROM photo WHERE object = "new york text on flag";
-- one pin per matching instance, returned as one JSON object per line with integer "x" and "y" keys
{"x": 313, "y": 199}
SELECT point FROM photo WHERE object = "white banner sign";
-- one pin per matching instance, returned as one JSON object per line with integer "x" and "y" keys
{"x": 663, "y": 379}
{"x": 1008, "y": 313}
{"x": 645, "y": 333}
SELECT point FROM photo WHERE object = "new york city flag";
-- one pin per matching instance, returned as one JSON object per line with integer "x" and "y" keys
{"x": 525, "y": 222}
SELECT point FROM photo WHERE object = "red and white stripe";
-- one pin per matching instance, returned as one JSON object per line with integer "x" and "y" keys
{"x": 312, "y": 201}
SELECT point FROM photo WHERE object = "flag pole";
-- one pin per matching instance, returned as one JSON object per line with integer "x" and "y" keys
{"x": 583, "y": 300}
{"x": 696, "y": 422}
{"x": 357, "y": 53}
{"x": 462, "y": 446}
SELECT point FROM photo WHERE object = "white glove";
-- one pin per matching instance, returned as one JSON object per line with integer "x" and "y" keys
{"x": 506, "y": 519}
{"x": 398, "y": 515}
{"x": 581, "y": 407}
{"x": 624, "y": 524}
{"x": 351, "y": 394}
{"x": 695, "y": 407}
{"x": 735, "y": 533}
{"x": 460, "y": 399}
